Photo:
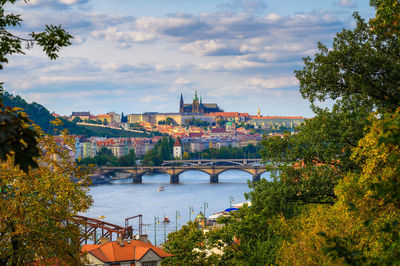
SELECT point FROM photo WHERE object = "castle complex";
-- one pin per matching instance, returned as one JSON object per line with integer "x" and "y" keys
{"x": 198, "y": 107}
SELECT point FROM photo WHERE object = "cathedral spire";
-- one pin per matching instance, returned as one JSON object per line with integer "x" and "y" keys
{"x": 195, "y": 99}
{"x": 181, "y": 105}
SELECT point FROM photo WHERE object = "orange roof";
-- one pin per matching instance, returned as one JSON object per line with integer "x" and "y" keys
{"x": 177, "y": 143}
{"x": 103, "y": 116}
{"x": 133, "y": 250}
{"x": 225, "y": 114}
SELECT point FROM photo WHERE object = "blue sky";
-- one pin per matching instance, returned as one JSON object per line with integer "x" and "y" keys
{"x": 135, "y": 56}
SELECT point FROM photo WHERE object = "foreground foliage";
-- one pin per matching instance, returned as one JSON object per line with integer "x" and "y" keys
{"x": 35, "y": 206}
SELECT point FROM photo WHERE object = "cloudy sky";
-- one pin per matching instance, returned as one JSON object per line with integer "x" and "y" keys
{"x": 134, "y": 56}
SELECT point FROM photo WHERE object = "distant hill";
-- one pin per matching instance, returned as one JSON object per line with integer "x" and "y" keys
{"x": 42, "y": 117}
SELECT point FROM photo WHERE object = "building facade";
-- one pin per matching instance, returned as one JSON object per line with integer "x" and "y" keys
{"x": 276, "y": 122}
{"x": 178, "y": 149}
{"x": 198, "y": 107}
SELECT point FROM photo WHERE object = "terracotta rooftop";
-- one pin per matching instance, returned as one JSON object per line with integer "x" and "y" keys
{"x": 132, "y": 250}
{"x": 195, "y": 135}
{"x": 105, "y": 116}
{"x": 218, "y": 130}
{"x": 177, "y": 143}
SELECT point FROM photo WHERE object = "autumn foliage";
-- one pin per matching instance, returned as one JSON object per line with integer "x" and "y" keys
{"x": 35, "y": 206}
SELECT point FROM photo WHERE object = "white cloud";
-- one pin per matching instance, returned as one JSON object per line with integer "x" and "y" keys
{"x": 52, "y": 3}
{"x": 273, "y": 83}
{"x": 345, "y": 3}
{"x": 203, "y": 47}
{"x": 182, "y": 81}
{"x": 236, "y": 64}
{"x": 124, "y": 39}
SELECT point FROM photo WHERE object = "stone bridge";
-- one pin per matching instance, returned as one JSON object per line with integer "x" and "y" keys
{"x": 137, "y": 172}
{"x": 213, "y": 162}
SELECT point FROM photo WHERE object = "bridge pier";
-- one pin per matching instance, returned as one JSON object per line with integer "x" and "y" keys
{"x": 256, "y": 177}
{"x": 213, "y": 178}
{"x": 137, "y": 179}
{"x": 174, "y": 179}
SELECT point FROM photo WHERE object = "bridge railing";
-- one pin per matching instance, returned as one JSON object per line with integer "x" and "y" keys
{"x": 211, "y": 161}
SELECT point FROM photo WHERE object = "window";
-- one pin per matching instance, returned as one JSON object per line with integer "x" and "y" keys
{"x": 149, "y": 263}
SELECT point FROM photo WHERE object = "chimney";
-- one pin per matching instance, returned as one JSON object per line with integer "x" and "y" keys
{"x": 144, "y": 238}
{"x": 103, "y": 240}
{"x": 120, "y": 241}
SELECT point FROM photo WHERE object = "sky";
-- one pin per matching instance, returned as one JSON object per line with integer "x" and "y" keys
{"x": 136, "y": 56}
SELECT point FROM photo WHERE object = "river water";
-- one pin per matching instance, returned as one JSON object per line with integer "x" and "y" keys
{"x": 123, "y": 199}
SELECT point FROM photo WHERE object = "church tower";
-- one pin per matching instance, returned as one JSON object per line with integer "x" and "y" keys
{"x": 181, "y": 105}
{"x": 195, "y": 104}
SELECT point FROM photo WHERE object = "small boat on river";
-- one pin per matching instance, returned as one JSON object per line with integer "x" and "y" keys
{"x": 160, "y": 189}
{"x": 166, "y": 220}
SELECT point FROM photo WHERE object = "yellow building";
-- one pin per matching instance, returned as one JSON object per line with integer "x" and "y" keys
{"x": 102, "y": 118}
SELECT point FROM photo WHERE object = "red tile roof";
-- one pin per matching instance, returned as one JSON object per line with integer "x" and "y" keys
{"x": 195, "y": 135}
{"x": 218, "y": 130}
{"x": 132, "y": 250}
{"x": 177, "y": 143}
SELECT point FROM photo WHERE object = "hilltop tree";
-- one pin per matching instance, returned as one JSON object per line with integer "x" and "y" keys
{"x": 363, "y": 63}
{"x": 16, "y": 137}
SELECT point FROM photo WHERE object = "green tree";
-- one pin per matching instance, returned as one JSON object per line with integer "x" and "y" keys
{"x": 17, "y": 138}
{"x": 77, "y": 120}
{"x": 186, "y": 245}
{"x": 185, "y": 156}
{"x": 362, "y": 63}
{"x": 34, "y": 213}
{"x": 163, "y": 150}
{"x": 127, "y": 160}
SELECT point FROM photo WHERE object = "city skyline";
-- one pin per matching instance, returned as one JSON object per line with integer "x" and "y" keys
{"x": 138, "y": 56}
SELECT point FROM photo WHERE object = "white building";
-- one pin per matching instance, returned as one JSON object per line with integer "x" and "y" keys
{"x": 178, "y": 149}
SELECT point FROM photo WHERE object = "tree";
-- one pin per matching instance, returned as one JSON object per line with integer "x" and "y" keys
{"x": 185, "y": 156}
{"x": 16, "y": 137}
{"x": 124, "y": 119}
{"x": 35, "y": 206}
{"x": 186, "y": 245}
{"x": 127, "y": 160}
{"x": 77, "y": 119}
{"x": 362, "y": 226}
{"x": 363, "y": 63}
{"x": 163, "y": 150}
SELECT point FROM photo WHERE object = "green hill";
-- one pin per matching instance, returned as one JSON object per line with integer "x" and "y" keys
{"x": 42, "y": 117}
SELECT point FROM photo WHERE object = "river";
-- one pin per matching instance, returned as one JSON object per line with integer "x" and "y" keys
{"x": 123, "y": 199}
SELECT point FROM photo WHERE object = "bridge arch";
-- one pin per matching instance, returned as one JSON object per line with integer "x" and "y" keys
{"x": 108, "y": 172}
{"x": 238, "y": 169}
{"x": 194, "y": 176}
{"x": 178, "y": 172}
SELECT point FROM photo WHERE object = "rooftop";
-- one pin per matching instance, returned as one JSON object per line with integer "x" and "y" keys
{"x": 131, "y": 250}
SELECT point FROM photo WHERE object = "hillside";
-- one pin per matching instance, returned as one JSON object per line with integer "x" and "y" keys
{"x": 42, "y": 117}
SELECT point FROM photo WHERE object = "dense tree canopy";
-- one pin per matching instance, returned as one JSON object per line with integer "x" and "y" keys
{"x": 106, "y": 157}
{"x": 162, "y": 151}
